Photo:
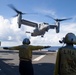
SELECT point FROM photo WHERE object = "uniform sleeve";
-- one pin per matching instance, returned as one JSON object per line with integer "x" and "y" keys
{"x": 36, "y": 47}
{"x": 56, "y": 71}
{"x": 14, "y": 48}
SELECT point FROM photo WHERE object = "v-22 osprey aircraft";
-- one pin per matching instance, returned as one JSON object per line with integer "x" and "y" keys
{"x": 40, "y": 29}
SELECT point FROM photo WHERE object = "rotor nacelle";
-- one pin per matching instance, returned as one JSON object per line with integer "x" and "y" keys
{"x": 19, "y": 20}
{"x": 58, "y": 22}
{"x": 58, "y": 27}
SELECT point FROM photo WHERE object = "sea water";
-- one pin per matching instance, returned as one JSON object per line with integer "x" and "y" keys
{"x": 53, "y": 48}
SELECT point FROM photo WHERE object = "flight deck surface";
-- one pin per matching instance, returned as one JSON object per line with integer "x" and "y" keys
{"x": 43, "y": 62}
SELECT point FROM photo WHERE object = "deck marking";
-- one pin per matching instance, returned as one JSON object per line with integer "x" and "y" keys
{"x": 38, "y": 58}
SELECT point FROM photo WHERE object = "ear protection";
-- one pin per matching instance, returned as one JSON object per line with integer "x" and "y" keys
{"x": 69, "y": 38}
{"x": 26, "y": 41}
{"x": 62, "y": 41}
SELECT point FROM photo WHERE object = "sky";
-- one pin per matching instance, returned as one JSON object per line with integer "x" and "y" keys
{"x": 11, "y": 35}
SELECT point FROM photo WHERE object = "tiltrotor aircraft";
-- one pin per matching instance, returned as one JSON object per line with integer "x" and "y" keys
{"x": 40, "y": 29}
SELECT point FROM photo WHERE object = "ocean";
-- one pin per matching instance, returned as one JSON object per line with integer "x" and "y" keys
{"x": 53, "y": 48}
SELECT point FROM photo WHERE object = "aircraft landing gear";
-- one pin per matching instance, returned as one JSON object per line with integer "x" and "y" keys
{"x": 42, "y": 35}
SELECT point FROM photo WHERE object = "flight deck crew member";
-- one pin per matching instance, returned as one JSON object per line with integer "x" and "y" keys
{"x": 66, "y": 57}
{"x": 25, "y": 56}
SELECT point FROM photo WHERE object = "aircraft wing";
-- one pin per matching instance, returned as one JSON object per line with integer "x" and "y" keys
{"x": 51, "y": 26}
{"x": 29, "y": 23}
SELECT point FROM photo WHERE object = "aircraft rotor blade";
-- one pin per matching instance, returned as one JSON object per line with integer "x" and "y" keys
{"x": 58, "y": 19}
{"x": 17, "y": 11}
{"x": 12, "y": 7}
{"x": 62, "y": 19}
{"x": 49, "y": 17}
{"x": 15, "y": 15}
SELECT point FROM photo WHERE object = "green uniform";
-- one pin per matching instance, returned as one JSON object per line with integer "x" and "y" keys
{"x": 25, "y": 51}
{"x": 25, "y": 56}
{"x": 66, "y": 61}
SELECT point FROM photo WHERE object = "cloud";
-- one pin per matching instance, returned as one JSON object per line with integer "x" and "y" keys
{"x": 10, "y": 34}
{"x": 9, "y": 30}
{"x": 50, "y": 12}
{"x": 52, "y": 38}
{"x": 45, "y": 11}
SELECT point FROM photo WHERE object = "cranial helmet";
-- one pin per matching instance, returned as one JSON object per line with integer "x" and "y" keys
{"x": 69, "y": 38}
{"x": 26, "y": 41}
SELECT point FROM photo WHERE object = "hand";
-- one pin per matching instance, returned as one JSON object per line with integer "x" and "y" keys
{"x": 5, "y": 48}
{"x": 46, "y": 46}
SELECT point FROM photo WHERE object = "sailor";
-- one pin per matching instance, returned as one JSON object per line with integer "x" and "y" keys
{"x": 25, "y": 56}
{"x": 66, "y": 56}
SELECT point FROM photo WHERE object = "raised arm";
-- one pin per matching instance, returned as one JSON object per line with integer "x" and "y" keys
{"x": 37, "y": 47}
{"x": 12, "y": 48}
